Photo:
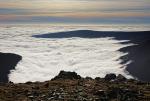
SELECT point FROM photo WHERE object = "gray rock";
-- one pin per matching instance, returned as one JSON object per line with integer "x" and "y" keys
{"x": 120, "y": 78}
{"x": 110, "y": 77}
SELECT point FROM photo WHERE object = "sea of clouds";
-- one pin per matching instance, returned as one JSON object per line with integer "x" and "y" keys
{"x": 43, "y": 58}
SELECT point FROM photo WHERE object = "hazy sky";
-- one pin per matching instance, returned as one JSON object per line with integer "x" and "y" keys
{"x": 75, "y": 11}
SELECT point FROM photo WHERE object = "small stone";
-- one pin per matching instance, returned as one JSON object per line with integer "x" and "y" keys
{"x": 31, "y": 96}
{"x": 43, "y": 96}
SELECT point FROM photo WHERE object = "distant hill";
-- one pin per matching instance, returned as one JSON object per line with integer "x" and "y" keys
{"x": 8, "y": 61}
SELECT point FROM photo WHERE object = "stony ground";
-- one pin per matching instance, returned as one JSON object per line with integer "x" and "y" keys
{"x": 81, "y": 89}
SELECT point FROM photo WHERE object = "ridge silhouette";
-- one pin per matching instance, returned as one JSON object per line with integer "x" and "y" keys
{"x": 8, "y": 61}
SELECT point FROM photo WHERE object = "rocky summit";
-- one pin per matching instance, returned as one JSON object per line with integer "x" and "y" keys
{"x": 69, "y": 86}
{"x": 67, "y": 75}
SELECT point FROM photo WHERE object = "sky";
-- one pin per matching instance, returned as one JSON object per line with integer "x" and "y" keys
{"x": 75, "y": 11}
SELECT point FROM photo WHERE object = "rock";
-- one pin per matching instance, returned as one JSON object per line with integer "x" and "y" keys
{"x": 113, "y": 92}
{"x": 100, "y": 93}
{"x": 88, "y": 78}
{"x": 46, "y": 85}
{"x": 28, "y": 83}
{"x": 31, "y": 97}
{"x": 110, "y": 77}
{"x": 97, "y": 78}
{"x": 67, "y": 75}
{"x": 43, "y": 96}
{"x": 120, "y": 78}
{"x": 10, "y": 82}
{"x": 80, "y": 82}
{"x": 140, "y": 83}
{"x": 122, "y": 94}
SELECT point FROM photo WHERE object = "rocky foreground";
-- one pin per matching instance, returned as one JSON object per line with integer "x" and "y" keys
{"x": 69, "y": 86}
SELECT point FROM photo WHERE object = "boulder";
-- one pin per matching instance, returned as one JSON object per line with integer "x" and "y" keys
{"x": 110, "y": 77}
{"x": 97, "y": 78}
{"x": 88, "y": 78}
{"x": 120, "y": 78}
{"x": 67, "y": 75}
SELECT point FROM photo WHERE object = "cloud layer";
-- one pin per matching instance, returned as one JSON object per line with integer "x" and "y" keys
{"x": 44, "y": 58}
